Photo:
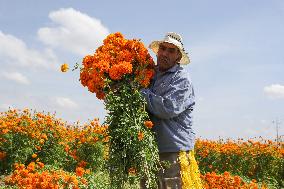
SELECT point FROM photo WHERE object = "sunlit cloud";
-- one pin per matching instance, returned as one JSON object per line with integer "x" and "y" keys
{"x": 74, "y": 31}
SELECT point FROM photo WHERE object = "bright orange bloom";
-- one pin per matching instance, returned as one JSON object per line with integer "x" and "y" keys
{"x": 40, "y": 164}
{"x": 44, "y": 136}
{"x": 34, "y": 155}
{"x": 84, "y": 181}
{"x": 148, "y": 124}
{"x": 87, "y": 171}
{"x": 31, "y": 166}
{"x": 140, "y": 136}
{"x": 106, "y": 139}
{"x": 4, "y": 131}
{"x": 117, "y": 71}
{"x": 41, "y": 141}
{"x": 116, "y": 58}
{"x": 82, "y": 164}
{"x": 64, "y": 67}
{"x": 80, "y": 171}
{"x": 30, "y": 178}
{"x": 38, "y": 147}
{"x": 226, "y": 181}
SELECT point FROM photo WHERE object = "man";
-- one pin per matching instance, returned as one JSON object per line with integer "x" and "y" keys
{"x": 170, "y": 101}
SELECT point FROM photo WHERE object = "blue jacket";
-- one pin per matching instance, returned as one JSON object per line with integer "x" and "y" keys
{"x": 170, "y": 101}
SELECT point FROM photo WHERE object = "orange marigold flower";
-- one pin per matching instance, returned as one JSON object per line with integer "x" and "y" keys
{"x": 82, "y": 164}
{"x": 43, "y": 136}
{"x": 100, "y": 95}
{"x": 40, "y": 164}
{"x": 64, "y": 67}
{"x": 74, "y": 180}
{"x": 117, "y": 71}
{"x": 34, "y": 155}
{"x": 87, "y": 171}
{"x": 95, "y": 139}
{"x": 106, "y": 139}
{"x": 19, "y": 166}
{"x": 80, "y": 171}
{"x": 140, "y": 136}
{"x": 4, "y": 131}
{"x": 148, "y": 124}
{"x": 41, "y": 141}
{"x": 144, "y": 76}
{"x": 38, "y": 147}
{"x": 132, "y": 171}
{"x": 253, "y": 180}
{"x": 2, "y": 155}
{"x": 84, "y": 181}
{"x": 88, "y": 60}
{"x": 67, "y": 148}
{"x": 31, "y": 166}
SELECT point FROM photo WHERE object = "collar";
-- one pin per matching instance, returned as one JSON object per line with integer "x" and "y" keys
{"x": 171, "y": 70}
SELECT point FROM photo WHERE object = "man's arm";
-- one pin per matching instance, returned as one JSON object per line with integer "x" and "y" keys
{"x": 179, "y": 97}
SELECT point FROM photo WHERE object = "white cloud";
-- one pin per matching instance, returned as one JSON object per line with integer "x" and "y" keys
{"x": 65, "y": 102}
{"x": 15, "y": 76}
{"x": 75, "y": 31}
{"x": 14, "y": 50}
{"x": 274, "y": 91}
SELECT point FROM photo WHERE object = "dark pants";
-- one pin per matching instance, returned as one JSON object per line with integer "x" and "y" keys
{"x": 169, "y": 178}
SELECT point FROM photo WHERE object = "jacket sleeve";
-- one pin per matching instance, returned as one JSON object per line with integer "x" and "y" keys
{"x": 178, "y": 97}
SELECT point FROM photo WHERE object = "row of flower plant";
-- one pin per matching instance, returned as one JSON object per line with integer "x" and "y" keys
{"x": 38, "y": 150}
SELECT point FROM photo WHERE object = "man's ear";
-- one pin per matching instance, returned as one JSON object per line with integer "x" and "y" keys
{"x": 179, "y": 57}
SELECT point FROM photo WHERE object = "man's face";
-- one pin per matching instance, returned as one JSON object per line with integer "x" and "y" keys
{"x": 167, "y": 57}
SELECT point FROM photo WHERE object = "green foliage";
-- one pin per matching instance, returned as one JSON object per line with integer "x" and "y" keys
{"x": 93, "y": 155}
{"x": 126, "y": 117}
{"x": 18, "y": 147}
{"x": 262, "y": 167}
{"x": 19, "y": 142}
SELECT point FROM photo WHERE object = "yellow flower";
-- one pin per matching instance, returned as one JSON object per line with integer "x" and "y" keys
{"x": 64, "y": 67}
{"x": 41, "y": 141}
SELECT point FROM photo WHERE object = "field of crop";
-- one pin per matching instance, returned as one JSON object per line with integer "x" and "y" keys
{"x": 38, "y": 150}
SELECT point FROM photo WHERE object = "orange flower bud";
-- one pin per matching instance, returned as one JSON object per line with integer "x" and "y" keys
{"x": 64, "y": 67}
{"x": 140, "y": 136}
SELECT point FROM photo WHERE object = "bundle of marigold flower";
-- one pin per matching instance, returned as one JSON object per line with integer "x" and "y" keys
{"x": 115, "y": 73}
{"x": 117, "y": 60}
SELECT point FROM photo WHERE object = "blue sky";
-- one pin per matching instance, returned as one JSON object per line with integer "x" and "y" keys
{"x": 236, "y": 48}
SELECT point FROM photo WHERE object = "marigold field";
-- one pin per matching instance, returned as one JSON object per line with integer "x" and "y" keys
{"x": 39, "y": 150}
